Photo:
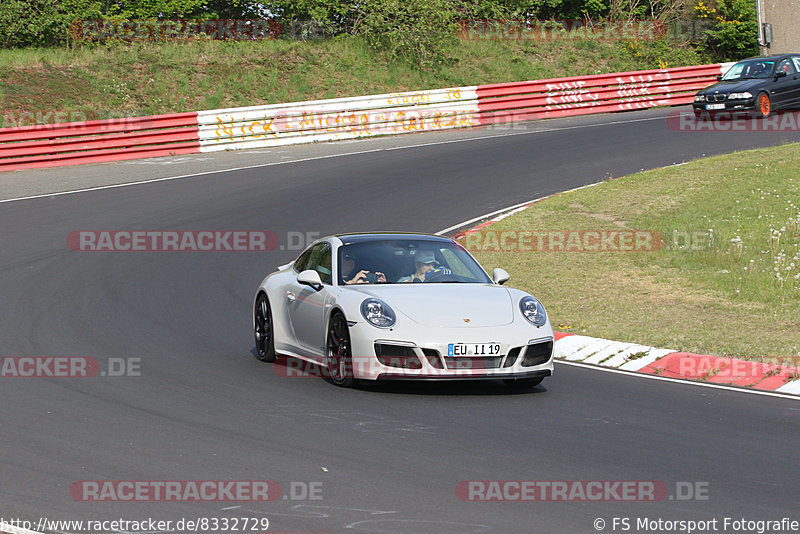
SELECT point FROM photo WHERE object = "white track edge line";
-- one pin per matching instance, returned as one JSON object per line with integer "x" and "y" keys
{"x": 686, "y": 381}
{"x": 509, "y": 209}
{"x": 609, "y": 369}
{"x": 301, "y": 160}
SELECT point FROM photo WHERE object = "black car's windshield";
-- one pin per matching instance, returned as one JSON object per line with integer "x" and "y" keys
{"x": 745, "y": 70}
{"x": 407, "y": 261}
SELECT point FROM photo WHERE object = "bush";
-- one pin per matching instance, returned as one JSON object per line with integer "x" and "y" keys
{"x": 421, "y": 31}
{"x": 47, "y": 22}
{"x": 734, "y": 29}
{"x": 661, "y": 54}
{"x": 31, "y": 23}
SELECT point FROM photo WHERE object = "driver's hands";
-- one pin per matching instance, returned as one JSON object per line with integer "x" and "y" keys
{"x": 381, "y": 277}
{"x": 439, "y": 271}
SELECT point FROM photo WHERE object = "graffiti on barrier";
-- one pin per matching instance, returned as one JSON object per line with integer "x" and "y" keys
{"x": 346, "y": 124}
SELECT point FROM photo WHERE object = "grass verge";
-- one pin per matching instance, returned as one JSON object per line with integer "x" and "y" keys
{"x": 120, "y": 80}
{"x": 724, "y": 281}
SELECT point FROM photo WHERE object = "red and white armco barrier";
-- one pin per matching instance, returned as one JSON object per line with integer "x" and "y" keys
{"x": 51, "y": 145}
{"x": 347, "y": 118}
{"x": 339, "y": 118}
{"x": 600, "y": 93}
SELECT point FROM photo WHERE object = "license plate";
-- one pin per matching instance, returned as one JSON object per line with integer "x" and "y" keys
{"x": 715, "y": 106}
{"x": 473, "y": 349}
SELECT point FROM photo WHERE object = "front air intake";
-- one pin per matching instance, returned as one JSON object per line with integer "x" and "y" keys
{"x": 398, "y": 356}
{"x": 537, "y": 353}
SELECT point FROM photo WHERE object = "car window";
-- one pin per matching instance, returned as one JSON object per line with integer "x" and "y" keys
{"x": 320, "y": 260}
{"x": 786, "y": 66}
{"x": 397, "y": 259}
{"x": 301, "y": 262}
{"x": 749, "y": 69}
{"x": 734, "y": 72}
{"x": 455, "y": 263}
{"x": 796, "y": 60}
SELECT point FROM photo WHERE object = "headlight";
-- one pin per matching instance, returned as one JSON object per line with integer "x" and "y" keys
{"x": 700, "y": 98}
{"x": 740, "y": 96}
{"x": 533, "y": 311}
{"x": 377, "y": 313}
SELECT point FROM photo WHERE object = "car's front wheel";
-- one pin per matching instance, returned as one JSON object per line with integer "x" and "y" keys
{"x": 523, "y": 383}
{"x": 763, "y": 106}
{"x": 339, "y": 354}
{"x": 264, "y": 331}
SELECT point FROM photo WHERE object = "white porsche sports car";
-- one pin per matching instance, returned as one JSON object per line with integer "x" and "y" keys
{"x": 401, "y": 306}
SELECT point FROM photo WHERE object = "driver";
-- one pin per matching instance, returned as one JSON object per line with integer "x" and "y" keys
{"x": 757, "y": 70}
{"x": 425, "y": 262}
{"x": 360, "y": 277}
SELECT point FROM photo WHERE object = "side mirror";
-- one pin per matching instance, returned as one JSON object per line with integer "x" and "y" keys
{"x": 500, "y": 276}
{"x": 780, "y": 74}
{"x": 719, "y": 77}
{"x": 310, "y": 278}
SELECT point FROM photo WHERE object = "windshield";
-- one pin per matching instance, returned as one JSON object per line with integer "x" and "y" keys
{"x": 408, "y": 261}
{"x": 749, "y": 69}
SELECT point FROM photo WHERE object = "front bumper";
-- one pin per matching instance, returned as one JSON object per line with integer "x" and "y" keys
{"x": 423, "y": 353}
{"x": 731, "y": 106}
{"x": 533, "y": 374}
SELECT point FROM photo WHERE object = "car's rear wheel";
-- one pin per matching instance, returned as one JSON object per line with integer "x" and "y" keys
{"x": 264, "y": 331}
{"x": 763, "y": 105}
{"x": 339, "y": 355}
{"x": 523, "y": 383}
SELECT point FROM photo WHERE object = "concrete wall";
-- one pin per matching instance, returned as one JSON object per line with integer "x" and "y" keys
{"x": 784, "y": 15}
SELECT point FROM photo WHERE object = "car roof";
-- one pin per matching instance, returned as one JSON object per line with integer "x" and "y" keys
{"x": 348, "y": 239}
{"x": 767, "y": 58}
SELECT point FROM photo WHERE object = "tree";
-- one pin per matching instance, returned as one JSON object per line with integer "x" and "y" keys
{"x": 734, "y": 28}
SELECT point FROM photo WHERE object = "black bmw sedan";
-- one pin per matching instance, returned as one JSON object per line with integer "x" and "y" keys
{"x": 756, "y": 86}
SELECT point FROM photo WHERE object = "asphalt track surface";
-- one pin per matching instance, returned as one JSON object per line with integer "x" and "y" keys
{"x": 388, "y": 457}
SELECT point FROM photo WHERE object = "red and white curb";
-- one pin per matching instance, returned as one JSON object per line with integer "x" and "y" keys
{"x": 669, "y": 363}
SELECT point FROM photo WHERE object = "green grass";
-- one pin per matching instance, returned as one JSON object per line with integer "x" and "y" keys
{"x": 121, "y": 79}
{"x": 725, "y": 282}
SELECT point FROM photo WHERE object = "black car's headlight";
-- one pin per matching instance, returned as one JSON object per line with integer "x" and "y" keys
{"x": 700, "y": 98}
{"x": 533, "y": 311}
{"x": 740, "y": 96}
{"x": 377, "y": 313}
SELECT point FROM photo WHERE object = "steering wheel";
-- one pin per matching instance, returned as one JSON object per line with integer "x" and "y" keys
{"x": 436, "y": 274}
